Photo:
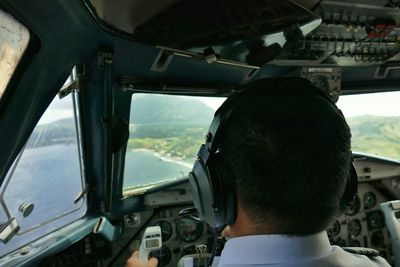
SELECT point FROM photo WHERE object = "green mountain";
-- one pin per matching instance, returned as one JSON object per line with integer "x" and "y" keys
{"x": 376, "y": 135}
{"x": 162, "y": 109}
{"x": 57, "y": 132}
{"x": 159, "y": 116}
{"x": 175, "y": 126}
{"x": 171, "y": 125}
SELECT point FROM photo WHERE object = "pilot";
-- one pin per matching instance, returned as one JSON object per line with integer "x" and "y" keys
{"x": 285, "y": 148}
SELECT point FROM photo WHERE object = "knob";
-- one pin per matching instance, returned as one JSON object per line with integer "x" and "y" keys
{"x": 26, "y": 209}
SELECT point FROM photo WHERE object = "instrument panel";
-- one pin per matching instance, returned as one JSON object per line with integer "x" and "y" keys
{"x": 180, "y": 236}
{"x": 363, "y": 225}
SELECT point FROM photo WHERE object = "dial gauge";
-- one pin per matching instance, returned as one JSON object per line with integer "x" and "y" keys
{"x": 375, "y": 220}
{"x": 354, "y": 228}
{"x": 369, "y": 200}
{"x": 189, "y": 230}
{"x": 334, "y": 229}
{"x": 166, "y": 230}
{"x": 355, "y": 208}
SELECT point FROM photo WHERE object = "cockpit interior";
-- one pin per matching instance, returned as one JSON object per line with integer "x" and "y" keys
{"x": 104, "y": 105}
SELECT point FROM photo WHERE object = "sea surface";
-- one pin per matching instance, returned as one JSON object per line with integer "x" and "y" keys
{"x": 145, "y": 166}
{"x": 49, "y": 178}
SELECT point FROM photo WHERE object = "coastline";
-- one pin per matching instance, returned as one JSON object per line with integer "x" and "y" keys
{"x": 166, "y": 158}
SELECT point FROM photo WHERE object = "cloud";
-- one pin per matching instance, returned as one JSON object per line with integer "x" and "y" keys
{"x": 378, "y": 104}
{"x": 59, "y": 109}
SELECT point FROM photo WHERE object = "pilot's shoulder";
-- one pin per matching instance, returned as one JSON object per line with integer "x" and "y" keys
{"x": 372, "y": 255}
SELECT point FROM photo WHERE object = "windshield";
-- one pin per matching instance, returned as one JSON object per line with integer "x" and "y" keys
{"x": 167, "y": 131}
{"x": 374, "y": 120}
{"x": 165, "y": 134}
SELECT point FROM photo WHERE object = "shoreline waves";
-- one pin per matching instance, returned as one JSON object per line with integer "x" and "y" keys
{"x": 165, "y": 157}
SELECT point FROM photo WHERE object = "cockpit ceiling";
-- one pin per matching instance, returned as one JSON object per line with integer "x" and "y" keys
{"x": 277, "y": 38}
{"x": 128, "y": 15}
{"x": 350, "y": 32}
{"x": 191, "y": 24}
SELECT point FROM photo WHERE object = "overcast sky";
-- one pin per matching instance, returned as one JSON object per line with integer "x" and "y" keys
{"x": 380, "y": 104}
{"x": 58, "y": 109}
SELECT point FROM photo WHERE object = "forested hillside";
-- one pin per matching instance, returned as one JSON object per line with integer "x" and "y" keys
{"x": 175, "y": 126}
{"x": 160, "y": 109}
{"x": 58, "y": 132}
{"x": 376, "y": 135}
{"x": 172, "y": 126}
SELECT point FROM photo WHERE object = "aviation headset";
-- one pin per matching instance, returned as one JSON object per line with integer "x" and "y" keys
{"x": 213, "y": 192}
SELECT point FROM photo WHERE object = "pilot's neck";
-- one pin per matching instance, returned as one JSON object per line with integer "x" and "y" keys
{"x": 244, "y": 226}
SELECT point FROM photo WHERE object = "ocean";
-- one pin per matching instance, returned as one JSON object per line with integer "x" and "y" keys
{"x": 48, "y": 177}
{"x": 144, "y": 166}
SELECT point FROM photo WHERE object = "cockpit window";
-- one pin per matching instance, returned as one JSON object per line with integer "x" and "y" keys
{"x": 167, "y": 131}
{"x": 14, "y": 39}
{"x": 374, "y": 120}
{"x": 165, "y": 135}
{"x": 43, "y": 190}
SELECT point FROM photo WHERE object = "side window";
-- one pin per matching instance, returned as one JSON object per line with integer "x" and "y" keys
{"x": 41, "y": 188}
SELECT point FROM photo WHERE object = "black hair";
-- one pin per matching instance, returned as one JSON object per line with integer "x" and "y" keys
{"x": 289, "y": 159}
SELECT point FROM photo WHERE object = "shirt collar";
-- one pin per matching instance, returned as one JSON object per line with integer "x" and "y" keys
{"x": 274, "y": 249}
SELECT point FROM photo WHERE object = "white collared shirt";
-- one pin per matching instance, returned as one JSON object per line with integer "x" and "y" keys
{"x": 289, "y": 251}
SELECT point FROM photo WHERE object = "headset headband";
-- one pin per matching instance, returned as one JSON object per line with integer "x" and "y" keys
{"x": 281, "y": 88}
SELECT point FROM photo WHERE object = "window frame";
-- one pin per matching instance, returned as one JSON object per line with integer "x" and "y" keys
{"x": 84, "y": 204}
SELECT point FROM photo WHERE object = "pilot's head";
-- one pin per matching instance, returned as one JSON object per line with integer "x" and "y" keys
{"x": 283, "y": 151}
{"x": 289, "y": 157}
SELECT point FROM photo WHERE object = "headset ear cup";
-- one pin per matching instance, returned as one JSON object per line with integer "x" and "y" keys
{"x": 198, "y": 180}
{"x": 227, "y": 193}
{"x": 350, "y": 191}
{"x": 206, "y": 192}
